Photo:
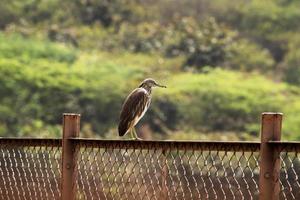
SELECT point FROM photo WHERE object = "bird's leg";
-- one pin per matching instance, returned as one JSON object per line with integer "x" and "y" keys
{"x": 135, "y": 134}
{"x": 132, "y": 134}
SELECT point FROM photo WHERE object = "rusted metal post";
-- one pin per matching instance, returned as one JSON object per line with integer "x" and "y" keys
{"x": 269, "y": 186}
{"x": 71, "y": 128}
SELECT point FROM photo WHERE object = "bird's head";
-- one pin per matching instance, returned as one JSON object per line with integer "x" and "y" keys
{"x": 149, "y": 83}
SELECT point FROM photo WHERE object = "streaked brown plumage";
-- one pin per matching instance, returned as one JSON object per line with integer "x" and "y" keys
{"x": 135, "y": 106}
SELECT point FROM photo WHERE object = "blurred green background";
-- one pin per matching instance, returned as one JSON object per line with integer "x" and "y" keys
{"x": 224, "y": 62}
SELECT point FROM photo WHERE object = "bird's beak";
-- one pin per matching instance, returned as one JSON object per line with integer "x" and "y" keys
{"x": 162, "y": 86}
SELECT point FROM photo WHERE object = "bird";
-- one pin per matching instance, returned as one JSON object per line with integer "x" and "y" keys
{"x": 135, "y": 106}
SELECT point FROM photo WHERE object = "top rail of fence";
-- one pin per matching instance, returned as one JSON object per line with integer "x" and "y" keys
{"x": 168, "y": 144}
{"x": 10, "y": 141}
{"x": 286, "y": 146}
{"x": 293, "y": 146}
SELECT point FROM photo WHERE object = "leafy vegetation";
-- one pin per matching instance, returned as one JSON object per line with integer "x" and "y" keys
{"x": 224, "y": 62}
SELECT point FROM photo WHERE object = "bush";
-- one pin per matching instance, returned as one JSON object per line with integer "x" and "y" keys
{"x": 17, "y": 47}
{"x": 291, "y": 121}
{"x": 45, "y": 91}
{"x": 221, "y": 100}
{"x": 41, "y": 82}
{"x": 202, "y": 44}
{"x": 268, "y": 23}
{"x": 9, "y": 12}
{"x": 291, "y": 63}
{"x": 260, "y": 18}
{"x": 144, "y": 37}
{"x": 248, "y": 56}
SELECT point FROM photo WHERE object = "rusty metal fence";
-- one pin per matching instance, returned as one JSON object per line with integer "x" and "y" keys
{"x": 30, "y": 168}
{"x": 289, "y": 172}
{"x": 166, "y": 170}
{"x": 77, "y": 168}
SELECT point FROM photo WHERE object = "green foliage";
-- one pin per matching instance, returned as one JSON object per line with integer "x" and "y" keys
{"x": 270, "y": 16}
{"x": 261, "y": 18}
{"x": 107, "y": 12}
{"x": 203, "y": 44}
{"x": 266, "y": 22}
{"x": 245, "y": 36}
{"x": 292, "y": 62}
{"x": 247, "y": 56}
{"x": 144, "y": 37}
{"x": 292, "y": 120}
{"x": 95, "y": 84}
{"x": 44, "y": 92}
{"x": 9, "y": 12}
{"x": 38, "y": 90}
{"x": 102, "y": 50}
{"x": 222, "y": 100}
{"x": 17, "y": 47}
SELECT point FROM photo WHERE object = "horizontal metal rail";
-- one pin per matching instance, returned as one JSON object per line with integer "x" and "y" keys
{"x": 285, "y": 146}
{"x": 55, "y": 142}
{"x": 159, "y": 144}
{"x": 166, "y": 144}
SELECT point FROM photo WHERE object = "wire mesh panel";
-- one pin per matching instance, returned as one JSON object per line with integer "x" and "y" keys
{"x": 290, "y": 170}
{"x": 30, "y": 169}
{"x": 289, "y": 175}
{"x": 135, "y": 170}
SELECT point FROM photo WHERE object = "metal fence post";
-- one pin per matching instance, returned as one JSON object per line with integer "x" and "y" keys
{"x": 71, "y": 128}
{"x": 269, "y": 186}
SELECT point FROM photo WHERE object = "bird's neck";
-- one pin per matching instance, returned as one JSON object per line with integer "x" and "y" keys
{"x": 147, "y": 88}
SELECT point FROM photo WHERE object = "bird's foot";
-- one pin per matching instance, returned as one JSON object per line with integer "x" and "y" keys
{"x": 137, "y": 139}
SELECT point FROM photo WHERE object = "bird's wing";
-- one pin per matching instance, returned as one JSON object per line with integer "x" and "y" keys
{"x": 133, "y": 107}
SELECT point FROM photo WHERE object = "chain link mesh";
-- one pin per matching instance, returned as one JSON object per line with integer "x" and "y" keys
{"x": 289, "y": 175}
{"x": 30, "y": 169}
{"x": 171, "y": 173}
